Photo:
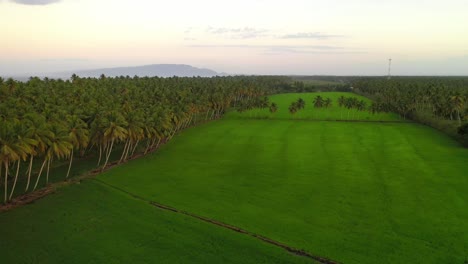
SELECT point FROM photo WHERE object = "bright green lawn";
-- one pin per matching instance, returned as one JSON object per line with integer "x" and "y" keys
{"x": 309, "y": 112}
{"x": 92, "y": 223}
{"x": 353, "y": 192}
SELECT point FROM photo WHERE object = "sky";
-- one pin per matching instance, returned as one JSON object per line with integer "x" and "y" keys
{"x": 307, "y": 37}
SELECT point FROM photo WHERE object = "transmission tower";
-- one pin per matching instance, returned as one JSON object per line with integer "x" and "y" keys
{"x": 389, "y": 68}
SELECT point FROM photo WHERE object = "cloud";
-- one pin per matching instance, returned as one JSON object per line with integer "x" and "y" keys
{"x": 287, "y": 49}
{"x": 238, "y": 33}
{"x": 317, "y": 47}
{"x": 64, "y": 60}
{"x": 35, "y": 2}
{"x": 310, "y": 35}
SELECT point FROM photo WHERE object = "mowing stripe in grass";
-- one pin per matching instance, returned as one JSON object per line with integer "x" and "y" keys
{"x": 299, "y": 252}
{"x": 324, "y": 120}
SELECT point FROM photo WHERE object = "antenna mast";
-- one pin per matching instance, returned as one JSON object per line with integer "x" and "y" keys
{"x": 389, "y": 68}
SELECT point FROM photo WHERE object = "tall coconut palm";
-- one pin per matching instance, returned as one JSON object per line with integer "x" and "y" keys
{"x": 457, "y": 103}
{"x": 58, "y": 146}
{"x": 113, "y": 131}
{"x": 78, "y": 136}
{"x": 25, "y": 146}
{"x": 12, "y": 149}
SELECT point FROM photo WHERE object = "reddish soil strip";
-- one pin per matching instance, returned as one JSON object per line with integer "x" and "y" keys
{"x": 299, "y": 252}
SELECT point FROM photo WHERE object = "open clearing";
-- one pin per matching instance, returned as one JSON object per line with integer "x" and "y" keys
{"x": 354, "y": 192}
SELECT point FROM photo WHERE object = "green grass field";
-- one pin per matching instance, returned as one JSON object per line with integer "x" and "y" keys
{"x": 309, "y": 112}
{"x": 354, "y": 192}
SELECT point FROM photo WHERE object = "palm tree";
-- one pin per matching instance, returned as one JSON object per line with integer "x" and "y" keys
{"x": 300, "y": 103}
{"x": 273, "y": 108}
{"x": 58, "y": 146}
{"x": 25, "y": 147}
{"x": 114, "y": 131}
{"x": 318, "y": 101}
{"x": 341, "y": 104}
{"x": 293, "y": 108}
{"x": 13, "y": 148}
{"x": 78, "y": 136}
{"x": 457, "y": 105}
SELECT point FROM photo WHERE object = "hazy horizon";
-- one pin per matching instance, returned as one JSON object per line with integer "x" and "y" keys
{"x": 296, "y": 37}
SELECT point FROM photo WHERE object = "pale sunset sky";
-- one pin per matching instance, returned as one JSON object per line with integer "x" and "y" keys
{"x": 336, "y": 37}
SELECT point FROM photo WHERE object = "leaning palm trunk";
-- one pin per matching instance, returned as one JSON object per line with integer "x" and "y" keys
{"x": 124, "y": 150}
{"x": 128, "y": 150}
{"x": 100, "y": 154}
{"x": 108, "y": 154}
{"x": 48, "y": 170}
{"x": 40, "y": 173}
{"x": 16, "y": 178}
{"x": 29, "y": 173}
{"x": 148, "y": 145}
{"x": 159, "y": 141}
{"x": 6, "y": 181}
{"x": 69, "y": 166}
{"x": 134, "y": 148}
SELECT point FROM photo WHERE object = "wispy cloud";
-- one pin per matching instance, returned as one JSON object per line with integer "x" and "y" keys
{"x": 310, "y": 35}
{"x": 35, "y": 2}
{"x": 284, "y": 49}
{"x": 238, "y": 33}
{"x": 64, "y": 60}
{"x": 318, "y": 47}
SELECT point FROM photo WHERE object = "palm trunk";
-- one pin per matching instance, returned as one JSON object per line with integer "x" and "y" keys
{"x": 48, "y": 170}
{"x": 124, "y": 150}
{"x": 108, "y": 154}
{"x": 6, "y": 181}
{"x": 69, "y": 166}
{"x": 148, "y": 145}
{"x": 100, "y": 154}
{"x": 134, "y": 148}
{"x": 40, "y": 173}
{"x": 29, "y": 173}
{"x": 128, "y": 150}
{"x": 16, "y": 178}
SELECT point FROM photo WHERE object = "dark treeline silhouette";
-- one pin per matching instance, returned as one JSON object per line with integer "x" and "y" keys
{"x": 49, "y": 120}
{"x": 441, "y": 102}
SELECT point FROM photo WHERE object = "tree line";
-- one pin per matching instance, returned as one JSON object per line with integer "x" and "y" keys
{"x": 441, "y": 102}
{"x": 45, "y": 120}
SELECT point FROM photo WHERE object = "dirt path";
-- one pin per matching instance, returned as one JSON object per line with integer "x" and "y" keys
{"x": 299, "y": 252}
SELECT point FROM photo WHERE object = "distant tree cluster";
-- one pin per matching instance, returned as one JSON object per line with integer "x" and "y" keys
{"x": 321, "y": 102}
{"x": 296, "y": 106}
{"x": 441, "y": 102}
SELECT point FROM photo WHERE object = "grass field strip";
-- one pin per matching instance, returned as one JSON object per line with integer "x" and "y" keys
{"x": 270, "y": 241}
{"x": 326, "y": 120}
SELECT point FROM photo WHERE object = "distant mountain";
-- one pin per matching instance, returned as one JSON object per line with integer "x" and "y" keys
{"x": 161, "y": 70}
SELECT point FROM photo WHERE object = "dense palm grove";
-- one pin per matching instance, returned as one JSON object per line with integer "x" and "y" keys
{"x": 42, "y": 121}
{"x": 440, "y": 102}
